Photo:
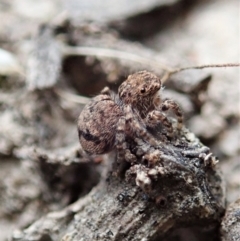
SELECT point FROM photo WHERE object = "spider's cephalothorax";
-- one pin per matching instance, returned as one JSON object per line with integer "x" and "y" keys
{"x": 141, "y": 92}
{"x": 112, "y": 119}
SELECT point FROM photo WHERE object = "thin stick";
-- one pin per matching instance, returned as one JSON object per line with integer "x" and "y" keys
{"x": 206, "y": 66}
{"x": 73, "y": 98}
{"x": 118, "y": 54}
{"x": 112, "y": 53}
{"x": 167, "y": 75}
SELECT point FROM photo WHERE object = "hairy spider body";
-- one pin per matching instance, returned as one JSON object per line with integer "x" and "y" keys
{"x": 111, "y": 118}
{"x": 97, "y": 124}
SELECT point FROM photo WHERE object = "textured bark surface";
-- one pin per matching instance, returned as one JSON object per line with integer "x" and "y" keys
{"x": 231, "y": 222}
{"x": 187, "y": 191}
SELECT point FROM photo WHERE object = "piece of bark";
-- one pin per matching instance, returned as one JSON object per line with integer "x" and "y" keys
{"x": 12, "y": 132}
{"x": 185, "y": 190}
{"x": 231, "y": 171}
{"x": 230, "y": 227}
{"x": 63, "y": 156}
{"x": 65, "y": 172}
{"x": 44, "y": 62}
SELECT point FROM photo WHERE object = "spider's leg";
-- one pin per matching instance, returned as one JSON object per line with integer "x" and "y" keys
{"x": 172, "y": 105}
{"x": 122, "y": 148}
{"x": 155, "y": 117}
{"x": 134, "y": 126}
{"x": 120, "y": 139}
{"x": 105, "y": 91}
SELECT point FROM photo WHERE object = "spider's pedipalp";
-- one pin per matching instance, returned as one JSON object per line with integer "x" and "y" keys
{"x": 172, "y": 105}
{"x": 155, "y": 117}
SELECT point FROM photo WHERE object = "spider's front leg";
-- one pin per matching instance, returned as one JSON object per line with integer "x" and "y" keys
{"x": 123, "y": 152}
{"x": 172, "y": 105}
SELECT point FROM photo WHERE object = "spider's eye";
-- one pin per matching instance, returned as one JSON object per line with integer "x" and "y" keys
{"x": 143, "y": 90}
{"x": 123, "y": 95}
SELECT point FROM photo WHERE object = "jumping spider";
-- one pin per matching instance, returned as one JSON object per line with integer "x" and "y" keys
{"x": 110, "y": 119}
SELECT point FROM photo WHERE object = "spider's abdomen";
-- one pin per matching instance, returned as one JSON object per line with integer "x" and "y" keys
{"x": 97, "y": 125}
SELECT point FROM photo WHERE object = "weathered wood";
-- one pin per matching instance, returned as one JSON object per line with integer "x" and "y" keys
{"x": 186, "y": 191}
{"x": 230, "y": 227}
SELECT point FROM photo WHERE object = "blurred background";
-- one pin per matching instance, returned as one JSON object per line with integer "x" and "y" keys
{"x": 55, "y": 54}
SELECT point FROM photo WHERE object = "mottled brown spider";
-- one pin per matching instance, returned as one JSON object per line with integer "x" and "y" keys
{"x": 134, "y": 112}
